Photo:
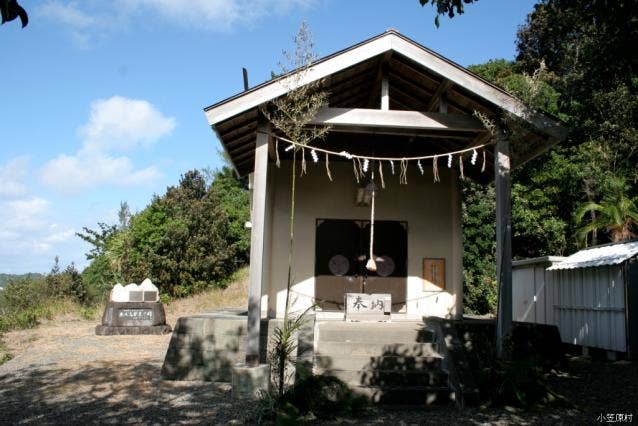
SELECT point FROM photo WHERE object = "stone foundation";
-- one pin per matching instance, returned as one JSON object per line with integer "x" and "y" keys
{"x": 106, "y": 330}
{"x": 208, "y": 346}
{"x": 133, "y": 318}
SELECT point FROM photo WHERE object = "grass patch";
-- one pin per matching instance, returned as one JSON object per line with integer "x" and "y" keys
{"x": 25, "y": 306}
{"x": 234, "y": 295}
{"x": 5, "y": 355}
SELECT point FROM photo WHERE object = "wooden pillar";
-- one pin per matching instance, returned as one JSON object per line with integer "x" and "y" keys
{"x": 385, "y": 94}
{"x": 257, "y": 246}
{"x": 503, "y": 240}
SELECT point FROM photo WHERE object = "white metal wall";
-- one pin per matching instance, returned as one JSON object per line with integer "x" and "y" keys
{"x": 587, "y": 304}
{"x": 532, "y": 293}
{"x": 590, "y": 306}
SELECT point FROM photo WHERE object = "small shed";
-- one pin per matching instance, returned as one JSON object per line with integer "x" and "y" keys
{"x": 532, "y": 290}
{"x": 591, "y": 296}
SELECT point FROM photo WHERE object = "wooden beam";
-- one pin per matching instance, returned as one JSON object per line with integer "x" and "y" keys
{"x": 389, "y": 41}
{"x": 417, "y": 94}
{"x": 385, "y": 94}
{"x": 394, "y": 119}
{"x": 443, "y": 104}
{"x": 258, "y": 220}
{"x": 417, "y": 90}
{"x": 355, "y": 80}
{"x": 382, "y": 68}
{"x": 503, "y": 241}
{"x": 439, "y": 95}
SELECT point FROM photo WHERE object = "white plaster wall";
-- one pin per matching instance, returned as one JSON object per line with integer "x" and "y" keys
{"x": 432, "y": 211}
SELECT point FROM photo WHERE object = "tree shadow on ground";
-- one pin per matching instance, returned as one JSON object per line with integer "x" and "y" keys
{"x": 114, "y": 393}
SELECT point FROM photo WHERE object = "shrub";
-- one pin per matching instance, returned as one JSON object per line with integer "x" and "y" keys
{"x": 311, "y": 397}
{"x": 5, "y": 355}
{"x": 25, "y": 293}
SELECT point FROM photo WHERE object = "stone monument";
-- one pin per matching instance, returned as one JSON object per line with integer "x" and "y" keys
{"x": 134, "y": 309}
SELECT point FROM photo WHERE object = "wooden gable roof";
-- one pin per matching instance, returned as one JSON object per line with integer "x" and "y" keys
{"x": 418, "y": 79}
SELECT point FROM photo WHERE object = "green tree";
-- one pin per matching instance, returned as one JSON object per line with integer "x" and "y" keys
{"x": 184, "y": 241}
{"x": 98, "y": 239}
{"x": 447, "y": 7}
{"x": 124, "y": 215}
{"x": 617, "y": 215}
{"x": 479, "y": 243}
{"x": 10, "y": 10}
{"x": 588, "y": 45}
{"x": 232, "y": 193}
{"x": 190, "y": 238}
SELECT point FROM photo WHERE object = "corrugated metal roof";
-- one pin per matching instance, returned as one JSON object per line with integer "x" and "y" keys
{"x": 611, "y": 254}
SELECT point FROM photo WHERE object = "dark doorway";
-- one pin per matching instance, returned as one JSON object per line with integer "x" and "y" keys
{"x": 341, "y": 253}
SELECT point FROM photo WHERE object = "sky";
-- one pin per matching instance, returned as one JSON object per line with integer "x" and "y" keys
{"x": 102, "y": 101}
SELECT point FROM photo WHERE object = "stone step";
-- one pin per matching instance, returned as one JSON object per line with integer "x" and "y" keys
{"x": 386, "y": 378}
{"x": 363, "y": 362}
{"x": 407, "y": 395}
{"x": 374, "y": 332}
{"x": 329, "y": 348}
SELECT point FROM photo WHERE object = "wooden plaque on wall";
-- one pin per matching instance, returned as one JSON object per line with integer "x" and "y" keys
{"x": 434, "y": 272}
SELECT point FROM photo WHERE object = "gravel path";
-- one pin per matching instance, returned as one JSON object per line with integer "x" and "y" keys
{"x": 63, "y": 374}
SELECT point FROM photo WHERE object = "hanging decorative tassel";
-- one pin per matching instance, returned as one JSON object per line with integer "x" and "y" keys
{"x": 449, "y": 161}
{"x": 403, "y": 177}
{"x": 483, "y": 168}
{"x": 314, "y": 156}
{"x": 435, "y": 168}
{"x": 303, "y": 161}
{"x": 474, "y": 155}
{"x": 355, "y": 169}
{"x": 328, "y": 168}
{"x": 381, "y": 174}
{"x": 277, "y": 162}
{"x": 346, "y": 155}
{"x": 418, "y": 164}
{"x": 392, "y": 167}
{"x": 371, "y": 265}
{"x": 366, "y": 164}
{"x": 461, "y": 166}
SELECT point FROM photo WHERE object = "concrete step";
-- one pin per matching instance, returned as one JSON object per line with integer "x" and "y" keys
{"x": 363, "y": 362}
{"x": 385, "y": 378}
{"x": 335, "y": 331}
{"x": 376, "y": 349}
{"x": 407, "y": 395}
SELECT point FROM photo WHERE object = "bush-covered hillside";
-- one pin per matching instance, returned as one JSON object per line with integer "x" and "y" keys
{"x": 190, "y": 238}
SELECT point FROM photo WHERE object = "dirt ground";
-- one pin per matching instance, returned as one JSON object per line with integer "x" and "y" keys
{"x": 63, "y": 374}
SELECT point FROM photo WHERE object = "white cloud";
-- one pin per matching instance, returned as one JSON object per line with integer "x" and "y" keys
{"x": 24, "y": 214}
{"x": 115, "y": 124}
{"x": 67, "y": 13}
{"x": 57, "y": 235}
{"x": 121, "y": 124}
{"x": 11, "y": 177}
{"x": 30, "y": 236}
{"x": 69, "y": 174}
{"x": 79, "y": 24}
{"x": 24, "y": 226}
{"x": 89, "y": 18}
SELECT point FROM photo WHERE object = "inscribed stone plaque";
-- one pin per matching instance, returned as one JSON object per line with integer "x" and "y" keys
{"x": 136, "y": 296}
{"x": 134, "y": 317}
{"x": 150, "y": 296}
{"x": 368, "y": 307}
{"x": 434, "y": 273}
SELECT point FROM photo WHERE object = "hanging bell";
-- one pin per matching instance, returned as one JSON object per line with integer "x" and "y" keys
{"x": 371, "y": 265}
